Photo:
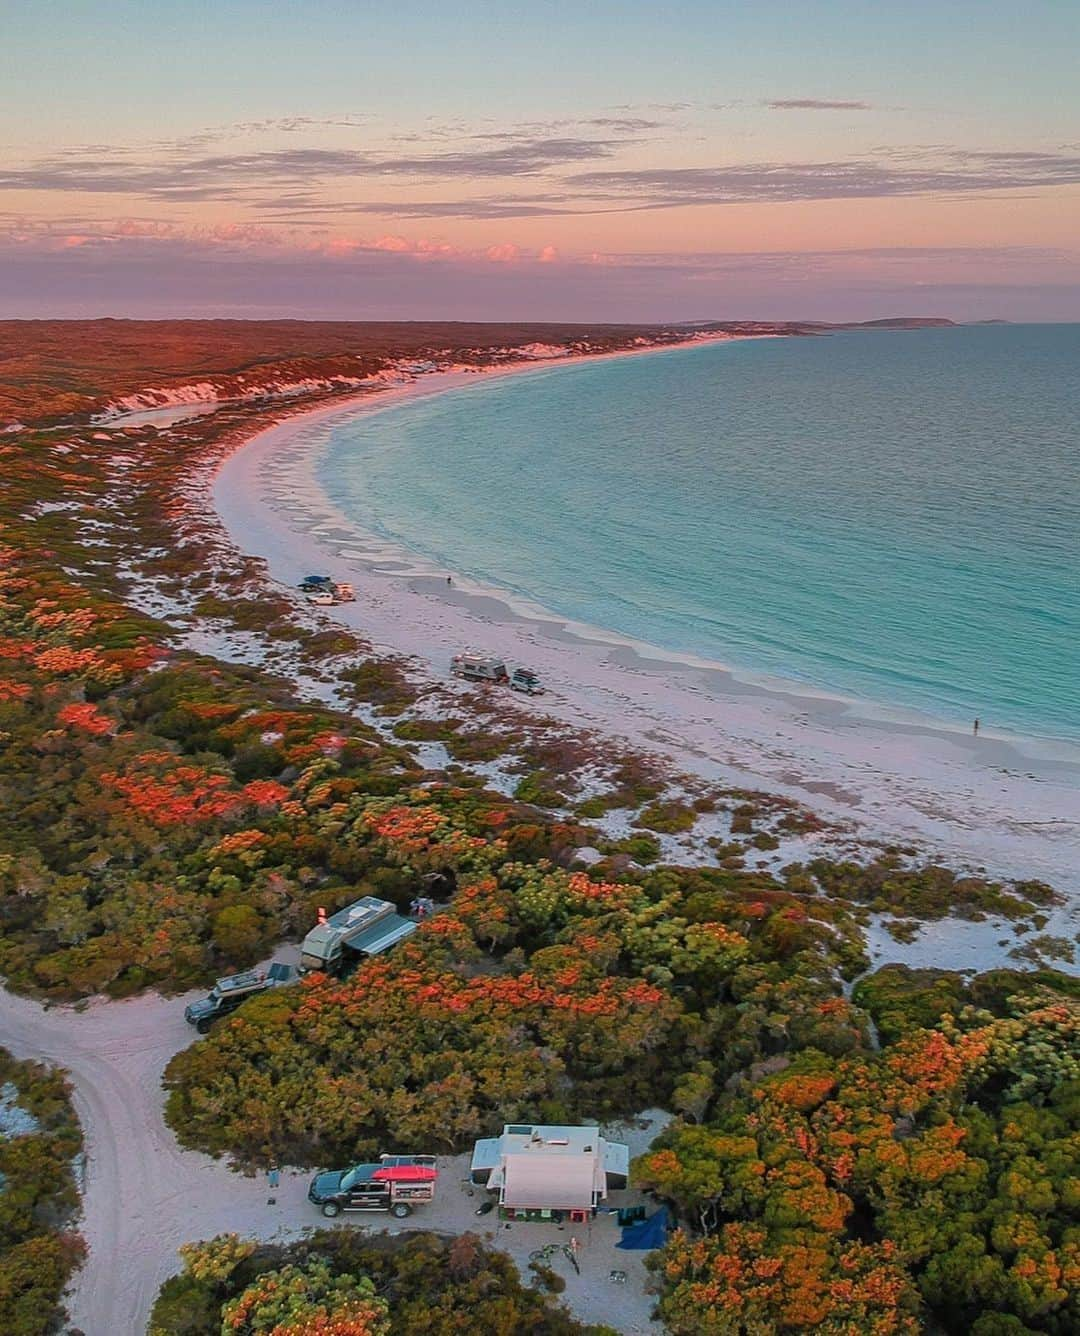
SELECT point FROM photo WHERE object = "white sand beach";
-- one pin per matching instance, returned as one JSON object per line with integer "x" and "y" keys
{"x": 1006, "y": 805}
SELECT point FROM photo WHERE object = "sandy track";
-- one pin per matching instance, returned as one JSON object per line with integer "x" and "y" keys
{"x": 144, "y": 1196}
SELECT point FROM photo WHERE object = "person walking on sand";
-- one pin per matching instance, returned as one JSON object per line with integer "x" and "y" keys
{"x": 975, "y": 729}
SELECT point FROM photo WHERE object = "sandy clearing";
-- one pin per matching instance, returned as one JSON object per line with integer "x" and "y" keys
{"x": 144, "y": 1196}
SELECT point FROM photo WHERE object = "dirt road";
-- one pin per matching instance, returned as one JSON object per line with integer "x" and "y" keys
{"x": 144, "y": 1196}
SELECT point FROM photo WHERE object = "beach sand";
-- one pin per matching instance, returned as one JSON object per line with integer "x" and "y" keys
{"x": 1009, "y": 806}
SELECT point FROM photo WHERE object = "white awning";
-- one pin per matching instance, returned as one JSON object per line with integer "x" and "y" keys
{"x": 548, "y": 1182}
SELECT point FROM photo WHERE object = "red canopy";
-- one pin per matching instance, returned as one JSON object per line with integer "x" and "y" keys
{"x": 406, "y": 1173}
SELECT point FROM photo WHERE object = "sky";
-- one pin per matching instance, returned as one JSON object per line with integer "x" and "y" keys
{"x": 602, "y": 160}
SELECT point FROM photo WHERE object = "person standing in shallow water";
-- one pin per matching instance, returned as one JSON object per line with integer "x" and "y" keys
{"x": 975, "y": 728}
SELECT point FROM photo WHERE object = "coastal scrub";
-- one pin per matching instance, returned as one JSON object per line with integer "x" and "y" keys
{"x": 39, "y": 1142}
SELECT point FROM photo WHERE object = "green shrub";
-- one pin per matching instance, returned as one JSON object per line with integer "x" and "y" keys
{"x": 641, "y": 848}
{"x": 537, "y": 788}
{"x": 238, "y": 933}
{"x": 546, "y": 1279}
{"x": 37, "y": 1200}
{"x": 668, "y": 818}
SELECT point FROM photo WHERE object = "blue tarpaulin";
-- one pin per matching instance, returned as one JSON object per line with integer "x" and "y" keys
{"x": 651, "y": 1233}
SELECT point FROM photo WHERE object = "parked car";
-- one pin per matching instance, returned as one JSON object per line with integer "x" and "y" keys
{"x": 396, "y": 1184}
{"x": 524, "y": 679}
{"x": 313, "y": 584}
{"x": 324, "y": 598}
{"x": 231, "y": 992}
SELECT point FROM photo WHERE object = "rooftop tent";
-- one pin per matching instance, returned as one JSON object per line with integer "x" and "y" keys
{"x": 555, "y": 1183}
{"x": 646, "y": 1236}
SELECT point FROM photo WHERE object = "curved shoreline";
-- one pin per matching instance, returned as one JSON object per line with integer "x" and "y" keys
{"x": 993, "y": 802}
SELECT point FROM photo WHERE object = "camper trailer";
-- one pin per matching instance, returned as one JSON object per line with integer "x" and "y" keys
{"x": 479, "y": 667}
{"x": 365, "y": 928}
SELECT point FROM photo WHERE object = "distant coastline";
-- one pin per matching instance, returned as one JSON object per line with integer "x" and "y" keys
{"x": 326, "y": 357}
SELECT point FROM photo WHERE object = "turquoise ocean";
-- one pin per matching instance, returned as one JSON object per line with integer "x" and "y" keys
{"x": 891, "y": 517}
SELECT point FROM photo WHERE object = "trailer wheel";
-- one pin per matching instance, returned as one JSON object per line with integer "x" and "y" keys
{"x": 401, "y": 1209}
{"x": 330, "y": 1209}
{"x": 203, "y": 1026}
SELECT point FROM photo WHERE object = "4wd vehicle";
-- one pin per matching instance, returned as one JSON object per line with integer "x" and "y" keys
{"x": 524, "y": 679}
{"x": 315, "y": 584}
{"x": 396, "y": 1184}
{"x": 228, "y": 993}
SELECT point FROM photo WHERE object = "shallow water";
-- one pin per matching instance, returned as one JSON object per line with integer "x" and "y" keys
{"x": 891, "y": 516}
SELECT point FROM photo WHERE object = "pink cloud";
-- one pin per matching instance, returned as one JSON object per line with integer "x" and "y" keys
{"x": 259, "y": 239}
{"x": 398, "y": 245}
{"x": 135, "y": 227}
{"x": 242, "y": 234}
{"x": 420, "y": 248}
{"x": 336, "y": 247}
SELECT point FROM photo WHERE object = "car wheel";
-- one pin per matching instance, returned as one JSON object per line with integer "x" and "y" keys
{"x": 400, "y": 1209}
{"x": 203, "y": 1026}
{"x": 330, "y": 1209}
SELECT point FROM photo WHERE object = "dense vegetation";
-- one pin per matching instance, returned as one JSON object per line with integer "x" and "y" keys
{"x": 38, "y": 1197}
{"x": 538, "y": 993}
{"x": 353, "y": 1284}
{"x": 936, "y": 1184}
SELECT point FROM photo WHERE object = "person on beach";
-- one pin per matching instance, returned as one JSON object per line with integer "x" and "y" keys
{"x": 449, "y": 581}
{"x": 975, "y": 730}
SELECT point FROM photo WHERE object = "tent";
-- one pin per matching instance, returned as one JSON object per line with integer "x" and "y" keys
{"x": 647, "y": 1235}
{"x": 552, "y": 1182}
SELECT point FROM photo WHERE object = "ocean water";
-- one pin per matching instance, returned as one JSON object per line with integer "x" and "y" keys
{"x": 892, "y": 517}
